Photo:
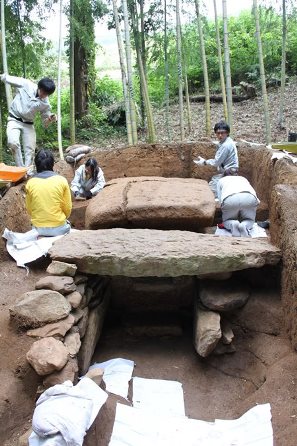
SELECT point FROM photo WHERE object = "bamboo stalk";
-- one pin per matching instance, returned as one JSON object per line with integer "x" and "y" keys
{"x": 227, "y": 67}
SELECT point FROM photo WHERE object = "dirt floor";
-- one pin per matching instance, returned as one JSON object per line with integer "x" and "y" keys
{"x": 263, "y": 369}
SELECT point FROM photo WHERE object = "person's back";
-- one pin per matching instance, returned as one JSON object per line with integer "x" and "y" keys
{"x": 47, "y": 194}
{"x": 48, "y": 198}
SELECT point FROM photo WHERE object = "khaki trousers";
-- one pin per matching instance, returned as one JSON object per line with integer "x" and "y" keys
{"x": 20, "y": 134}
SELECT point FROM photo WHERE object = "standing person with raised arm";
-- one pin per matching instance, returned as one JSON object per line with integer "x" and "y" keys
{"x": 29, "y": 100}
{"x": 226, "y": 158}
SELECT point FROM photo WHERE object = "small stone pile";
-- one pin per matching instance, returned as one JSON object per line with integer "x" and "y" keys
{"x": 218, "y": 295}
{"x": 66, "y": 313}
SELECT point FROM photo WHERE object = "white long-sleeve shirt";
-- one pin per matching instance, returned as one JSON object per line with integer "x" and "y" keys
{"x": 25, "y": 104}
{"x": 226, "y": 156}
{"x": 234, "y": 184}
{"x": 81, "y": 183}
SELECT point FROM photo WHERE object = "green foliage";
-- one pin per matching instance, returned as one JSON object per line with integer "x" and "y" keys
{"x": 243, "y": 51}
{"x": 107, "y": 91}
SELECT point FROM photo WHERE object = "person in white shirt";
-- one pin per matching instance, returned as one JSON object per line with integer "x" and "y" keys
{"x": 239, "y": 203}
{"x": 226, "y": 155}
{"x": 29, "y": 100}
{"x": 88, "y": 180}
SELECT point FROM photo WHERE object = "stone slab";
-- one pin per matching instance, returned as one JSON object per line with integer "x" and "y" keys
{"x": 147, "y": 252}
{"x": 152, "y": 202}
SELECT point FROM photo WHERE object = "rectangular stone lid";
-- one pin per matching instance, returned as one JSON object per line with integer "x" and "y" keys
{"x": 149, "y": 252}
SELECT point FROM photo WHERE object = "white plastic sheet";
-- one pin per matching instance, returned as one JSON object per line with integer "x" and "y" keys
{"x": 64, "y": 412}
{"x": 255, "y": 232}
{"x": 117, "y": 374}
{"x": 159, "y": 396}
{"x": 134, "y": 427}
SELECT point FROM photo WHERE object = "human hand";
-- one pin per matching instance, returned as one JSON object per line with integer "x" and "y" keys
{"x": 50, "y": 119}
{"x": 88, "y": 194}
{"x": 200, "y": 161}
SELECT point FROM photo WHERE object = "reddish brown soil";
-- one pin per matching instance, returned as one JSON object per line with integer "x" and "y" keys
{"x": 262, "y": 370}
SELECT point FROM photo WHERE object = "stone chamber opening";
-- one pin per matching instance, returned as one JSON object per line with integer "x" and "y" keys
{"x": 153, "y": 320}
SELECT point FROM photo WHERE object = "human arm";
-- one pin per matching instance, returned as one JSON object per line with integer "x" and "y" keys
{"x": 13, "y": 80}
{"x": 220, "y": 157}
{"x": 99, "y": 184}
{"x": 28, "y": 200}
{"x": 67, "y": 202}
{"x": 76, "y": 183}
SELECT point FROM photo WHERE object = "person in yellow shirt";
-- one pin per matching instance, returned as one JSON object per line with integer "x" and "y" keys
{"x": 48, "y": 197}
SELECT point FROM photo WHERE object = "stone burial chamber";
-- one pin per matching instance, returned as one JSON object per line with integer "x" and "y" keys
{"x": 133, "y": 269}
{"x": 152, "y": 202}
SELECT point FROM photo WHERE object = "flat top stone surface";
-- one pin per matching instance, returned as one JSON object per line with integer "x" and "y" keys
{"x": 147, "y": 252}
{"x": 152, "y": 202}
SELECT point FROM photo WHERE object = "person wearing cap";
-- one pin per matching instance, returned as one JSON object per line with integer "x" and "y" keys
{"x": 29, "y": 100}
{"x": 88, "y": 180}
{"x": 226, "y": 157}
{"x": 239, "y": 203}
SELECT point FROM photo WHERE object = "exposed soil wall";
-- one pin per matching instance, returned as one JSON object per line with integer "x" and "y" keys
{"x": 284, "y": 234}
{"x": 176, "y": 160}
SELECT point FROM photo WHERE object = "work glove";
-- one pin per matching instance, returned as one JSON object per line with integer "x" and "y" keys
{"x": 88, "y": 194}
{"x": 200, "y": 161}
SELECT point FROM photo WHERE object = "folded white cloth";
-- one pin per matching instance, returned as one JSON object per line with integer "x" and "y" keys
{"x": 65, "y": 412}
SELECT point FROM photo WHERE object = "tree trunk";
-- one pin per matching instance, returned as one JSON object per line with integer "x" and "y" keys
{"x": 59, "y": 85}
{"x": 71, "y": 74}
{"x": 143, "y": 81}
{"x": 4, "y": 54}
{"x": 124, "y": 76}
{"x": 205, "y": 71}
{"x": 22, "y": 44}
{"x": 189, "y": 114}
{"x": 129, "y": 71}
{"x": 180, "y": 72}
{"x": 227, "y": 67}
{"x": 166, "y": 73}
{"x": 283, "y": 69}
{"x": 220, "y": 60}
{"x": 262, "y": 74}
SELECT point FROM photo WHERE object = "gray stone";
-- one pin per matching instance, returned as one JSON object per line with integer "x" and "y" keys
{"x": 74, "y": 299}
{"x": 223, "y": 296}
{"x": 47, "y": 355}
{"x": 68, "y": 372}
{"x": 80, "y": 278}
{"x": 207, "y": 331}
{"x": 83, "y": 322}
{"x": 57, "y": 268}
{"x": 145, "y": 252}
{"x": 227, "y": 332}
{"x": 81, "y": 288}
{"x": 78, "y": 314}
{"x": 92, "y": 335}
{"x": 62, "y": 284}
{"x": 59, "y": 328}
{"x": 152, "y": 202}
{"x": 215, "y": 276}
{"x": 72, "y": 343}
{"x": 40, "y": 307}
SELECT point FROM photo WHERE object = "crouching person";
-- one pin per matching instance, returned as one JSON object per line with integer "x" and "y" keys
{"x": 238, "y": 203}
{"x": 48, "y": 197}
{"x": 88, "y": 180}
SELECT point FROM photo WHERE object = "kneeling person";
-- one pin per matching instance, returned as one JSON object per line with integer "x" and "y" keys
{"x": 48, "y": 197}
{"x": 239, "y": 203}
{"x": 88, "y": 180}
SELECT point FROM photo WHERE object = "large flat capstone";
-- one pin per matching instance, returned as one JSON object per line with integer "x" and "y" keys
{"x": 149, "y": 252}
{"x": 152, "y": 202}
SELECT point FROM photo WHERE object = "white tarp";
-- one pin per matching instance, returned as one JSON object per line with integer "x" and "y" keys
{"x": 65, "y": 412}
{"x": 159, "y": 396}
{"x": 134, "y": 427}
{"x": 117, "y": 374}
{"x": 27, "y": 247}
{"x": 255, "y": 232}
